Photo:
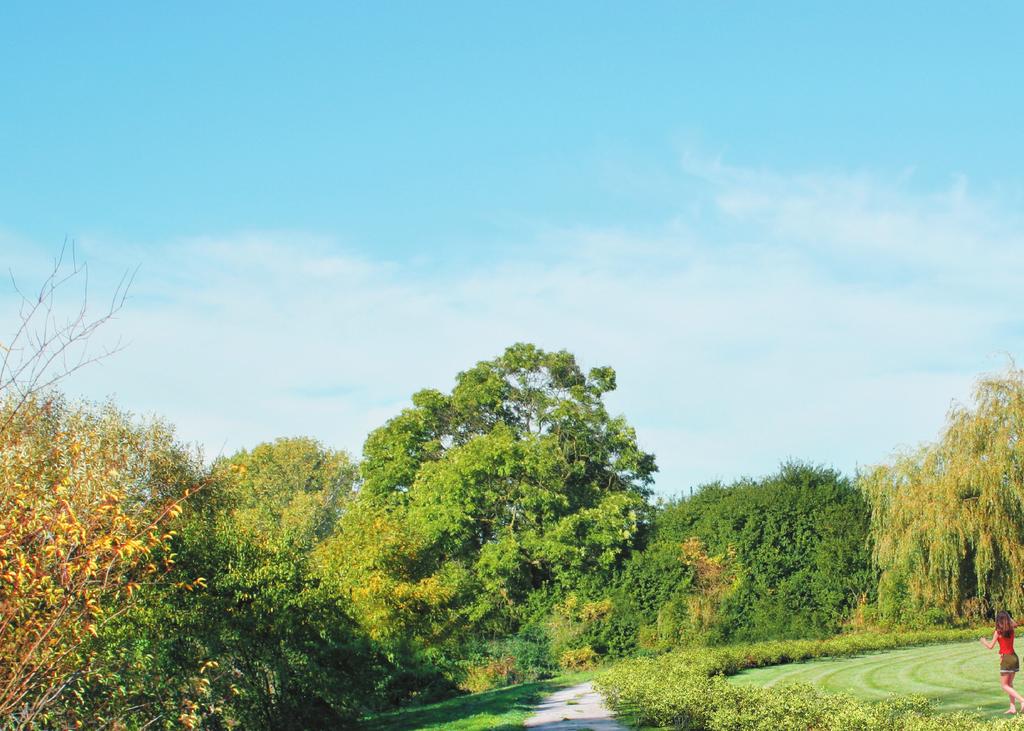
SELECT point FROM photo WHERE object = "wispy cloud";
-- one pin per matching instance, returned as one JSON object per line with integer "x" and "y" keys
{"x": 823, "y": 316}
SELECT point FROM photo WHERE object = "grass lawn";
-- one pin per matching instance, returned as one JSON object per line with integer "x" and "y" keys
{"x": 503, "y": 709}
{"x": 960, "y": 676}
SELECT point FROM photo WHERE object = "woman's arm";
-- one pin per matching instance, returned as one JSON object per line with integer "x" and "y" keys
{"x": 987, "y": 643}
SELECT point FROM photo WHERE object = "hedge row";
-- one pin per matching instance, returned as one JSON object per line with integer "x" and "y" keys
{"x": 687, "y": 689}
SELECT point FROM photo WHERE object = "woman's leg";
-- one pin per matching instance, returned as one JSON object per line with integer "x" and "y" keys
{"x": 1006, "y": 680}
{"x": 1020, "y": 698}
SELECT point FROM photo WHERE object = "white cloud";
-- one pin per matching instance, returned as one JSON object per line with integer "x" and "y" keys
{"x": 826, "y": 317}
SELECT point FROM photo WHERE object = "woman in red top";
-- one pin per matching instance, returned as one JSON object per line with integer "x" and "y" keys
{"x": 1009, "y": 663}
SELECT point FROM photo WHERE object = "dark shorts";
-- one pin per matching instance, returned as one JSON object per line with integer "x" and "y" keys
{"x": 1009, "y": 663}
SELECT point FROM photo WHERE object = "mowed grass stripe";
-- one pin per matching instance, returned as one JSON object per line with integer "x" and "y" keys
{"x": 959, "y": 676}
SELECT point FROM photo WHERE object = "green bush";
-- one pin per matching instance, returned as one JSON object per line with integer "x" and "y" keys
{"x": 801, "y": 706}
{"x": 492, "y": 674}
{"x": 531, "y": 648}
{"x": 649, "y": 601}
{"x": 799, "y": 543}
{"x": 524, "y": 657}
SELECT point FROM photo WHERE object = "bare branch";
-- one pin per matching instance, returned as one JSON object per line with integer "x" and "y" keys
{"x": 46, "y": 348}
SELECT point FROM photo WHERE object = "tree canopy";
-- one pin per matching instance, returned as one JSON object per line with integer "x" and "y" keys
{"x": 288, "y": 654}
{"x": 516, "y": 480}
{"x": 794, "y": 544}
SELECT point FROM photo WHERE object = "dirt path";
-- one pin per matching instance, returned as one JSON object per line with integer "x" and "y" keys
{"x": 579, "y": 707}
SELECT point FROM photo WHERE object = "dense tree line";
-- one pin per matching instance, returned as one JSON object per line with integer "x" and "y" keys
{"x": 490, "y": 534}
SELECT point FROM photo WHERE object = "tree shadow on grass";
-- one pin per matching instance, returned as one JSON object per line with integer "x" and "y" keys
{"x": 463, "y": 709}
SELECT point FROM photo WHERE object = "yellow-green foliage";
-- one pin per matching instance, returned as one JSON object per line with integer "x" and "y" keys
{"x": 714, "y": 578}
{"x": 807, "y": 707}
{"x": 582, "y": 658}
{"x": 947, "y": 518}
{"x": 568, "y": 625}
{"x": 687, "y": 689}
{"x": 85, "y": 498}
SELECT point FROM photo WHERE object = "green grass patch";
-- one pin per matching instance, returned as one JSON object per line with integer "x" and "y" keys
{"x": 502, "y": 709}
{"x": 960, "y": 676}
{"x": 688, "y": 689}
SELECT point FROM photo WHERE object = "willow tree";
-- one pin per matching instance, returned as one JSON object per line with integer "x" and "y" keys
{"x": 948, "y": 518}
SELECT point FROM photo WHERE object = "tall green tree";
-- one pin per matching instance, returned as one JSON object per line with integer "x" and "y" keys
{"x": 517, "y": 480}
{"x": 947, "y": 518}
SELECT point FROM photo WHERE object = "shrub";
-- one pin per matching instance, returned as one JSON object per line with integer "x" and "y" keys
{"x": 531, "y": 649}
{"x": 521, "y": 658}
{"x": 583, "y": 658}
{"x": 801, "y": 706}
{"x": 494, "y": 674}
{"x": 574, "y": 627}
{"x": 781, "y": 557}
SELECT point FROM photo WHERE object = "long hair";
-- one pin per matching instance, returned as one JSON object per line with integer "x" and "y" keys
{"x": 1004, "y": 625}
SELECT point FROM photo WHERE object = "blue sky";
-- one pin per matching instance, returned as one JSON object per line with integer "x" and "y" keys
{"x": 793, "y": 228}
